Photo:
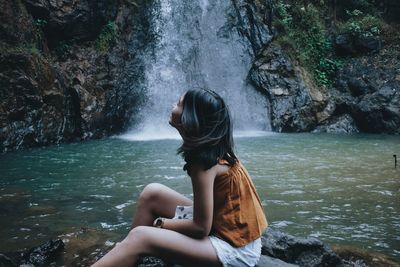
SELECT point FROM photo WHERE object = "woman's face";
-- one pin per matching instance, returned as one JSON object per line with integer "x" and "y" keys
{"x": 176, "y": 113}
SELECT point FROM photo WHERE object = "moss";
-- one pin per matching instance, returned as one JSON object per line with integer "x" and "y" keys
{"x": 23, "y": 49}
{"x": 107, "y": 37}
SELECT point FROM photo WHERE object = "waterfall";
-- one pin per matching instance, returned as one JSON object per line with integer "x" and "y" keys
{"x": 197, "y": 47}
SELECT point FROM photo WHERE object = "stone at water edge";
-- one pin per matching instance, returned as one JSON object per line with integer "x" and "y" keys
{"x": 302, "y": 251}
{"x": 266, "y": 261}
{"x": 45, "y": 253}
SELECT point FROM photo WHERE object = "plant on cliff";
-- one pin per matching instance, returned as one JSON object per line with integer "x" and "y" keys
{"x": 304, "y": 36}
{"x": 361, "y": 25}
{"x": 107, "y": 37}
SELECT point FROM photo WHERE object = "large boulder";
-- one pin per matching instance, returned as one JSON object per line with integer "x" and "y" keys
{"x": 343, "y": 124}
{"x": 305, "y": 252}
{"x": 370, "y": 94}
{"x": 380, "y": 111}
{"x": 294, "y": 100}
{"x": 347, "y": 44}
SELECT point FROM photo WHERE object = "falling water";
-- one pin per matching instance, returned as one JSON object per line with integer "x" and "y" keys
{"x": 197, "y": 47}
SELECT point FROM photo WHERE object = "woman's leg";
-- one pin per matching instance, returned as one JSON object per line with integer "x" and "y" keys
{"x": 157, "y": 200}
{"x": 162, "y": 243}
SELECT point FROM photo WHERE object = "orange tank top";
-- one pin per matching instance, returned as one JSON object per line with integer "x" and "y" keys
{"x": 238, "y": 214}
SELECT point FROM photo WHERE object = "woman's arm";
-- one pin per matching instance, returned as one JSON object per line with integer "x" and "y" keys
{"x": 203, "y": 186}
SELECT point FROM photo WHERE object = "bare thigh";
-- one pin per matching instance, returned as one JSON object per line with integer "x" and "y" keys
{"x": 158, "y": 200}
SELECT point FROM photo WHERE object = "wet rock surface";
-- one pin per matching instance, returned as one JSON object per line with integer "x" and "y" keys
{"x": 83, "y": 247}
{"x": 300, "y": 251}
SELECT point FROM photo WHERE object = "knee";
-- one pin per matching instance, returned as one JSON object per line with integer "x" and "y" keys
{"x": 151, "y": 193}
{"x": 138, "y": 238}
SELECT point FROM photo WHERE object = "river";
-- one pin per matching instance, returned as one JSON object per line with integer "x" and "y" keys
{"x": 342, "y": 189}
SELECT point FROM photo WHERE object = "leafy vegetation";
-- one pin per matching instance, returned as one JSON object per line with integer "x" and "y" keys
{"x": 306, "y": 39}
{"x": 107, "y": 37}
{"x": 361, "y": 25}
{"x": 307, "y": 29}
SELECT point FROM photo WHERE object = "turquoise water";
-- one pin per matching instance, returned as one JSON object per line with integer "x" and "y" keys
{"x": 341, "y": 189}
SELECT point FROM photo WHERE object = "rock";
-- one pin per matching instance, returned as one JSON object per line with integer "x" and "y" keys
{"x": 301, "y": 251}
{"x": 6, "y": 261}
{"x": 12, "y": 14}
{"x": 50, "y": 98}
{"x": 45, "y": 253}
{"x": 250, "y": 26}
{"x": 36, "y": 109}
{"x": 294, "y": 100}
{"x": 358, "y": 86}
{"x": 84, "y": 246}
{"x": 269, "y": 261}
{"x": 154, "y": 262}
{"x": 366, "y": 44}
{"x": 79, "y": 20}
{"x": 355, "y": 257}
{"x": 347, "y": 44}
{"x": 343, "y": 45}
{"x": 380, "y": 111}
{"x": 342, "y": 124}
{"x": 369, "y": 93}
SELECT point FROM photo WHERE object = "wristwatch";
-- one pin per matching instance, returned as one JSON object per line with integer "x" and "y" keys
{"x": 159, "y": 222}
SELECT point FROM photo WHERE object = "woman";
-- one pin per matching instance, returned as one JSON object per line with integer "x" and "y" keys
{"x": 223, "y": 223}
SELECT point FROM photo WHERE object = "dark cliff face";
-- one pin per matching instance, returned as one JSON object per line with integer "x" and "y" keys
{"x": 63, "y": 73}
{"x": 71, "y": 70}
{"x": 365, "y": 92}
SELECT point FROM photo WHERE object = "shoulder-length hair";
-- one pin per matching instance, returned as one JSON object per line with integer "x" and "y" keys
{"x": 206, "y": 129}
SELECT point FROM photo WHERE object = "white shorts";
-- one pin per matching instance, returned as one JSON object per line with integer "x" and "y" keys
{"x": 229, "y": 256}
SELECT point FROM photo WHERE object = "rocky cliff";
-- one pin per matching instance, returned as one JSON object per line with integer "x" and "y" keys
{"x": 63, "y": 69}
{"x": 331, "y": 68}
{"x": 71, "y": 70}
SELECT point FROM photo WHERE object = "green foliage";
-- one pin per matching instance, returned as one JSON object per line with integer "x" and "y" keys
{"x": 361, "y": 25}
{"x": 107, "y": 37}
{"x": 40, "y": 23}
{"x": 362, "y": 5}
{"x": 281, "y": 10}
{"x": 307, "y": 41}
{"x": 23, "y": 49}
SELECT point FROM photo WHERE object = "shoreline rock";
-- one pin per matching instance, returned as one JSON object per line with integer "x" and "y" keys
{"x": 85, "y": 246}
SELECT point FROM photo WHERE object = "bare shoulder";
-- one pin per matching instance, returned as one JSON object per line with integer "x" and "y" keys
{"x": 216, "y": 170}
